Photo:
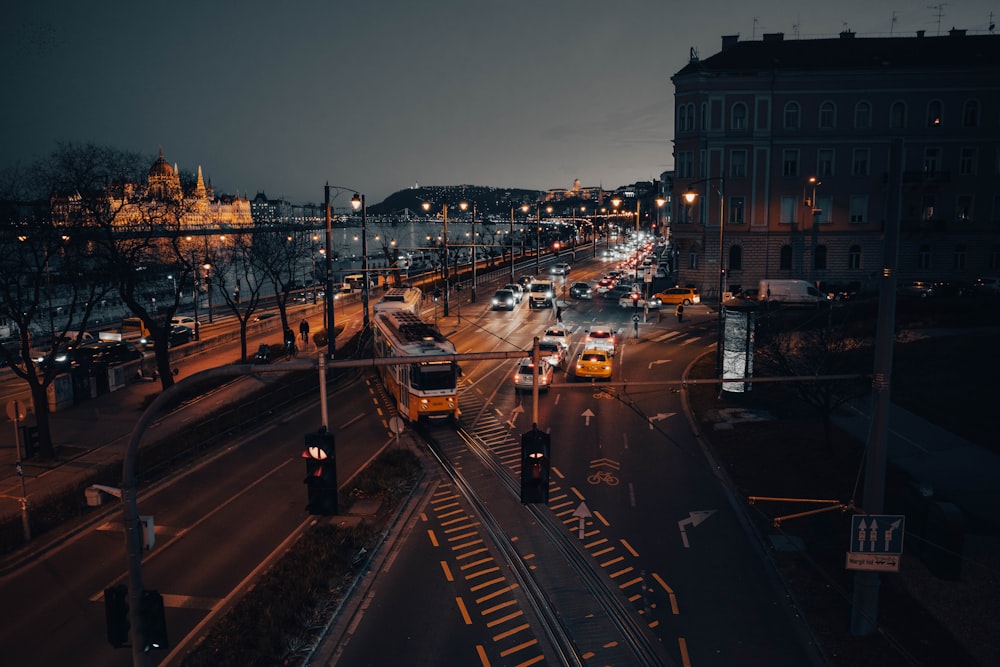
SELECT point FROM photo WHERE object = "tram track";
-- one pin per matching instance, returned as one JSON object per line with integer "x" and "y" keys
{"x": 578, "y": 612}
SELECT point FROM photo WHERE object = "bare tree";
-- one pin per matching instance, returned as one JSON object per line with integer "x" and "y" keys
{"x": 276, "y": 254}
{"x": 816, "y": 348}
{"x": 49, "y": 287}
{"x": 231, "y": 257}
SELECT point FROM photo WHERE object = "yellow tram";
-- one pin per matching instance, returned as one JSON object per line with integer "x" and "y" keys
{"x": 422, "y": 390}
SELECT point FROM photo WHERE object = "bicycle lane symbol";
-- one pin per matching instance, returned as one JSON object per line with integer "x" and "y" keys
{"x": 604, "y": 476}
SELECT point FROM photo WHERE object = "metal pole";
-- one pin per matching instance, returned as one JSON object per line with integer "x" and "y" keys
{"x": 510, "y": 243}
{"x": 473, "y": 252}
{"x": 722, "y": 276}
{"x": 538, "y": 237}
{"x": 331, "y": 331}
{"x": 446, "y": 285}
{"x": 197, "y": 295}
{"x": 364, "y": 264}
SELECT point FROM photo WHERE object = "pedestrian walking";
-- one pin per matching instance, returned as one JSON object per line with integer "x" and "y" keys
{"x": 679, "y": 311}
{"x": 558, "y": 313}
{"x": 304, "y": 331}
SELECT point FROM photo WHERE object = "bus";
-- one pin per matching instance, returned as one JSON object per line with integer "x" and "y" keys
{"x": 423, "y": 390}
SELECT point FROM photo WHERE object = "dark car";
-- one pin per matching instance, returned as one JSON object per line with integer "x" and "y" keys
{"x": 106, "y": 353}
{"x": 581, "y": 291}
{"x": 617, "y": 292}
{"x": 178, "y": 335}
{"x": 503, "y": 299}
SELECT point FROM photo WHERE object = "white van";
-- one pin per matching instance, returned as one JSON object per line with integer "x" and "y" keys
{"x": 791, "y": 292}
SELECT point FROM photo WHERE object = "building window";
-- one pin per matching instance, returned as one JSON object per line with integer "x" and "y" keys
{"x": 703, "y": 118}
{"x": 924, "y": 257}
{"x": 859, "y": 209}
{"x": 819, "y": 258}
{"x": 932, "y": 159}
{"x": 897, "y": 115}
{"x": 860, "y": 162}
{"x": 827, "y": 116}
{"x": 963, "y": 210}
{"x": 736, "y": 206}
{"x": 789, "y": 205}
{"x": 934, "y": 113}
{"x": 970, "y": 114}
{"x": 862, "y": 115}
{"x": 792, "y": 113}
{"x": 958, "y": 258}
{"x": 693, "y": 259}
{"x": 738, "y": 164}
{"x": 824, "y": 162}
{"x": 967, "y": 161}
{"x": 738, "y": 119}
{"x": 854, "y": 257}
{"x": 785, "y": 258}
{"x": 682, "y": 118}
{"x": 685, "y": 164}
{"x": 927, "y": 207}
{"x": 823, "y": 212}
{"x": 790, "y": 163}
{"x": 736, "y": 258}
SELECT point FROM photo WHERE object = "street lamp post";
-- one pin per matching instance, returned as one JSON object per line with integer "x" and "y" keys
{"x": 444, "y": 213}
{"x": 331, "y": 332}
{"x": 208, "y": 288}
{"x": 510, "y": 243}
{"x": 690, "y": 196}
{"x": 358, "y": 202}
{"x": 464, "y": 205}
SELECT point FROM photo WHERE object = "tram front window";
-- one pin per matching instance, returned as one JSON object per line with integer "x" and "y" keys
{"x": 429, "y": 377}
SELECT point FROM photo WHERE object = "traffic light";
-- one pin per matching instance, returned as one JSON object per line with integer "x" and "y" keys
{"x": 116, "y": 614}
{"x": 535, "y": 466}
{"x": 154, "y": 621}
{"x": 321, "y": 472}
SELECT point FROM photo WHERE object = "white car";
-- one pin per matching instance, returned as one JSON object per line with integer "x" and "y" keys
{"x": 182, "y": 320}
{"x": 601, "y": 338}
{"x": 557, "y": 335}
{"x": 552, "y": 352}
{"x": 560, "y": 269}
{"x": 524, "y": 376}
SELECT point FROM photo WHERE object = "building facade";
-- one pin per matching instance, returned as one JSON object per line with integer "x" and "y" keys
{"x": 802, "y": 151}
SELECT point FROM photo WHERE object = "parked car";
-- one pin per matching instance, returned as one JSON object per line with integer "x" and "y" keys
{"x": 594, "y": 363}
{"x": 581, "y": 291}
{"x": 600, "y": 338}
{"x": 503, "y": 299}
{"x": 183, "y": 320}
{"x": 917, "y": 288}
{"x": 524, "y": 377}
{"x": 517, "y": 290}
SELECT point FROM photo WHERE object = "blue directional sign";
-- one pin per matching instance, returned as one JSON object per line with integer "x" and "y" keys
{"x": 877, "y": 533}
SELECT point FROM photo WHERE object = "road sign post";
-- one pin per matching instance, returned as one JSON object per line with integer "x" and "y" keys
{"x": 876, "y": 542}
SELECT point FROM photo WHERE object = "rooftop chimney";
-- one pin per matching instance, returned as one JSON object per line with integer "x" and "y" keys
{"x": 729, "y": 41}
{"x": 774, "y": 36}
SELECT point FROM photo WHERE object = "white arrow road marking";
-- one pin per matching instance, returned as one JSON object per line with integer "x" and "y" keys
{"x": 694, "y": 518}
{"x": 657, "y": 362}
{"x": 582, "y": 512}
{"x": 514, "y": 414}
{"x": 587, "y": 414}
{"x": 660, "y": 416}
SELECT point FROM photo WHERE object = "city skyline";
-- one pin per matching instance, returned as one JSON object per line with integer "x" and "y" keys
{"x": 384, "y": 97}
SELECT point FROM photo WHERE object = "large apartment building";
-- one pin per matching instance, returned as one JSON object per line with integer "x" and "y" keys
{"x": 802, "y": 151}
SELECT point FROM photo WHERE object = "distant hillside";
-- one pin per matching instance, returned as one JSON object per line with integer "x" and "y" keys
{"x": 488, "y": 200}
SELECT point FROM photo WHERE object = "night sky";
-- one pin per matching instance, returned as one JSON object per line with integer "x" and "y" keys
{"x": 381, "y": 95}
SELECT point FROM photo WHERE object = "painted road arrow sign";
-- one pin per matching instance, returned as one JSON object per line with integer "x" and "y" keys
{"x": 582, "y": 512}
{"x": 659, "y": 416}
{"x": 586, "y": 414}
{"x": 657, "y": 362}
{"x": 694, "y": 518}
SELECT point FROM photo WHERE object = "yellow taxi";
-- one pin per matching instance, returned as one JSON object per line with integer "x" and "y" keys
{"x": 594, "y": 363}
{"x": 682, "y": 295}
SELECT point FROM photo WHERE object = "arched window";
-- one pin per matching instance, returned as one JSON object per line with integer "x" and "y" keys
{"x": 738, "y": 121}
{"x": 819, "y": 258}
{"x": 785, "y": 258}
{"x": 854, "y": 257}
{"x": 897, "y": 115}
{"x": 827, "y": 115}
{"x": 792, "y": 116}
{"x": 970, "y": 114}
{"x": 862, "y": 115}
{"x": 934, "y": 113}
{"x": 682, "y": 118}
{"x": 736, "y": 258}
